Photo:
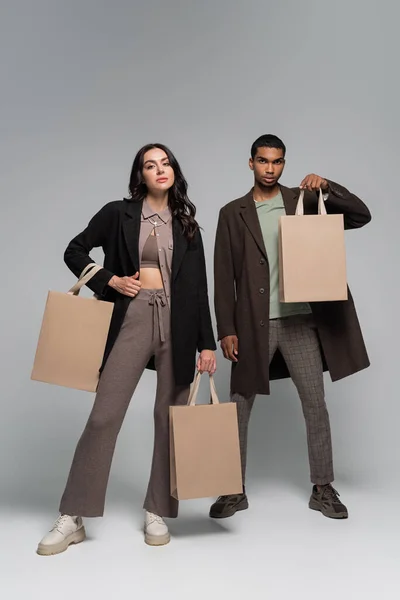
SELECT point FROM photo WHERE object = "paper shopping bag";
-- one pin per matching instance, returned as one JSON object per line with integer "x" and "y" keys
{"x": 205, "y": 451}
{"x": 312, "y": 256}
{"x": 72, "y": 338}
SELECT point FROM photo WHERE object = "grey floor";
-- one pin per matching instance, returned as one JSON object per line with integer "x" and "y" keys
{"x": 278, "y": 549}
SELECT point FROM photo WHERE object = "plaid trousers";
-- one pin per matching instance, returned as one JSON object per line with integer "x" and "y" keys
{"x": 296, "y": 338}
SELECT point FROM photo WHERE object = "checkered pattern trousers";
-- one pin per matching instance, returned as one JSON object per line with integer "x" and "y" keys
{"x": 296, "y": 338}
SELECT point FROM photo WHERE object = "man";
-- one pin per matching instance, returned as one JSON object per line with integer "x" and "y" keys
{"x": 266, "y": 339}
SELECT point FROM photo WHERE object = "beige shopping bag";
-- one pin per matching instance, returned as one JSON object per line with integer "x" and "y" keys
{"x": 205, "y": 451}
{"x": 72, "y": 337}
{"x": 312, "y": 256}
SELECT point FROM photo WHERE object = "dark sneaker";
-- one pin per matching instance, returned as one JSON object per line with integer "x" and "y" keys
{"x": 326, "y": 500}
{"x": 227, "y": 506}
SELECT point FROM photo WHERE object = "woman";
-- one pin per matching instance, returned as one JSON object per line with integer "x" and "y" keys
{"x": 154, "y": 272}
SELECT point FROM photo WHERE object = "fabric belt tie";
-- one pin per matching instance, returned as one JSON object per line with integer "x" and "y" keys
{"x": 158, "y": 301}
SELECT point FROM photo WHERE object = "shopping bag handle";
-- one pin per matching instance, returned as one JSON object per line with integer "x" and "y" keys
{"x": 88, "y": 272}
{"x": 194, "y": 390}
{"x": 321, "y": 204}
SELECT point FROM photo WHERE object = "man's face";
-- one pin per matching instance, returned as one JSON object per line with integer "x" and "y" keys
{"x": 268, "y": 165}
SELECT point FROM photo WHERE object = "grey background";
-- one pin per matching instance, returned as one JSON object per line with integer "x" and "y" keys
{"x": 84, "y": 85}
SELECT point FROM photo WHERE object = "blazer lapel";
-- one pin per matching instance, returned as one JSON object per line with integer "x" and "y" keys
{"x": 131, "y": 229}
{"x": 180, "y": 247}
{"x": 249, "y": 216}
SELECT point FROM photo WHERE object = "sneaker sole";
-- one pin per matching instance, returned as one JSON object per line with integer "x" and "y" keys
{"x": 75, "y": 538}
{"x": 316, "y": 506}
{"x": 157, "y": 540}
{"x": 244, "y": 505}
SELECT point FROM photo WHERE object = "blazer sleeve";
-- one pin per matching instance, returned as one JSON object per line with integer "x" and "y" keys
{"x": 206, "y": 340}
{"x": 76, "y": 256}
{"x": 341, "y": 201}
{"x": 224, "y": 280}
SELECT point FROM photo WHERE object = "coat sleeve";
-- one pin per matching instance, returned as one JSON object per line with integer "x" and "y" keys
{"x": 340, "y": 200}
{"x": 76, "y": 256}
{"x": 224, "y": 280}
{"x": 206, "y": 340}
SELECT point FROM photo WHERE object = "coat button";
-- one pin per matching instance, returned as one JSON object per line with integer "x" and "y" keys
{"x": 262, "y": 261}
{"x": 261, "y": 290}
{"x": 262, "y": 323}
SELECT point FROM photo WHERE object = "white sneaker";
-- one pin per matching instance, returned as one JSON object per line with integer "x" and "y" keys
{"x": 155, "y": 530}
{"x": 66, "y": 530}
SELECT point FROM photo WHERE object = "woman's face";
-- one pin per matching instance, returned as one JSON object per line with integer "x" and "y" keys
{"x": 158, "y": 175}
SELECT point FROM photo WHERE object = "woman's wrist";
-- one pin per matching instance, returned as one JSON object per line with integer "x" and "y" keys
{"x": 111, "y": 283}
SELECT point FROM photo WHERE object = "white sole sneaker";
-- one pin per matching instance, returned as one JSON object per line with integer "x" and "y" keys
{"x": 157, "y": 540}
{"x": 73, "y": 538}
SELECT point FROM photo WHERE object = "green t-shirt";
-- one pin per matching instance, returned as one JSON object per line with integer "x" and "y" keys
{"x": 269, "y": 213}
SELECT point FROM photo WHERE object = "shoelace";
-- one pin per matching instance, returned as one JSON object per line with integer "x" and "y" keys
{"x": 62, "y": 519}
{"x": 329, "y": 492}
{"x": 153, "y": 517}
{"x": 230, "y": 497}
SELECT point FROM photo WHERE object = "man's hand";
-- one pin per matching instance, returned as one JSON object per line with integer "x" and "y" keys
{"x": 230, "y": 347}
{"x": 314, "y": 183}
{"x": 207, "y": 363}
{"x": 128, "y": 286}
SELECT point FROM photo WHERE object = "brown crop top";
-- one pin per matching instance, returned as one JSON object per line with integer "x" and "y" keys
{"x": 150, "y": 258}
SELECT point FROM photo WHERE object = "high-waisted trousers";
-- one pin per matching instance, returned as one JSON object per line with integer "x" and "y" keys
{"x": 145, "y": 332}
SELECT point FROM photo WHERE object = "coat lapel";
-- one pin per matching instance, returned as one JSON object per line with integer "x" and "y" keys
{"x": 180, "y": 247}
{"x": 290, "y": 198}
{"x": 249, "y": 213}
{"x": 131, "y": 229}
{"x": 249, "y": 216}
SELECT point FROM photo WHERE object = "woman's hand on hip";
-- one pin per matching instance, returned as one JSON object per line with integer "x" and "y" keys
{"x": 207, "y": 363}
{"x": 128, "y": 286}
